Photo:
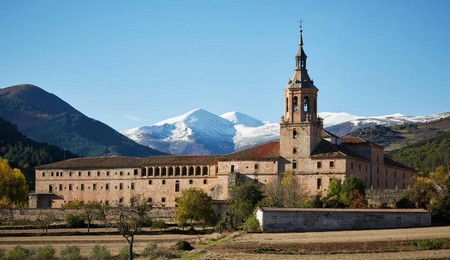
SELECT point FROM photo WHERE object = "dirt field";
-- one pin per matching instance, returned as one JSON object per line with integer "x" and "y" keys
{"x": 246, "y": 246}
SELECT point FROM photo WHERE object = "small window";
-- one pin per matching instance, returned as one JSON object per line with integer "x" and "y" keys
{"x": 120, "y": 200}
{"x": 82, "y": 187}
{"x": 106, "y": 202}
{"x": 177, "y": 186}
{"x": 149, "y": 200}
{"x": 191, "y": 182}
{"x": 121, "y": 173}
{"x": 163, "y": 182}
{"x": 70, "y": 174}
{"x": 70, "y": 186}
{"x": 163, "y": 199}
{"x": 94, "y": 186}
{"x": 150, "y": 182}
{"x": 107, "y": 186}
{"x": 331, "y": 165}
{"x": 89, "y": 173}
{"x": 294, "y": 165}
{"x": 60, "y": 187}
{"x": 294, "y": 150}
{"x": 120, "y": 186}
{"x": 98, "y": 173}
{"x": 294, "y": 134}
{"x": 43, "y": 174}
{"x": 107, "y": 173}
{"x": 135, "y": 172}
{"x": 232, "y": 168}
{"x": 319, "y": 165}
{"x": 295, "y": 104}
{"x": 205, "y": 181}
{"x": 132, "y": 186}
{"x": 319, "y": 183}
{"x": 79, "y": 174}
{"x": 51, "y": 174}
{"x": 256, "y": 166}
{"x": 351, "y": 165}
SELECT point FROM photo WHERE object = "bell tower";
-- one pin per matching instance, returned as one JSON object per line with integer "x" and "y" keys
{"x": 300, "y": 126}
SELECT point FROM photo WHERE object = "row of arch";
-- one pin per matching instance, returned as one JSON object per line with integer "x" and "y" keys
{"x": 174, "y": 171}
{"x": 295, "y": 104}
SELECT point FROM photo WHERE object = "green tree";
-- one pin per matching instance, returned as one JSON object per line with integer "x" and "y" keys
{"x": 90, "y": 210}
{"x": 243, "y": 199}
{"x": 13, "y": 186}
{"x": 349, "y": 193}
{"x": 130, "y": 219}
{"x": 194, "y": 205}
{"x": 284, "y": 193}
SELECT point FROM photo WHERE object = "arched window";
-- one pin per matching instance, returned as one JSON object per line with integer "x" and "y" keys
{"x": 191, "y": 182}
{"x": 177, "y": 186}
{"x": 198, "y": 171}
{"x": 163, "y": 171}
{"x": 150, "y": 171}
{"x": 184, "y": 172}
{"x": 156, "y": 171}
{"x": 287, "y": 102}
{"x": 294, "y": 164}
{"x": 177, "y": 171}
{"x": 295, "y": 104}
{"x": 191, "y": 171}
{"x": 205, "y": 170}
{"x": 306, "y": 104}
{"x": 294, "y": 133}
{"x": 143, "y": 171}
{"x": 170, "y": 171}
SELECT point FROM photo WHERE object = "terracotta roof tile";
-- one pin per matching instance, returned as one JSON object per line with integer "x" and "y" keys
{"x": 267, "y": 151}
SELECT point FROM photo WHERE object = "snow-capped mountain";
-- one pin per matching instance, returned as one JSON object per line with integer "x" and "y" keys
{"x": 201, "y": 132}
{"x": 342, "y": 124}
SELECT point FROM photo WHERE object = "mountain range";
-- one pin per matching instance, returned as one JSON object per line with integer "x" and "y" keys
{"x": 44, "y": 117}
{"x": 202, "y": 132}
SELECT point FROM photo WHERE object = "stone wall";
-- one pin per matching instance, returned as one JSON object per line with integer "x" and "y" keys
{"x": 310, "y": 220}
{"x": 384, "y": 197}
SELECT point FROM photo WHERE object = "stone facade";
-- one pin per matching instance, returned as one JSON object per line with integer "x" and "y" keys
{"x": 310, "y": 220}
{"x": 314, "y": 155}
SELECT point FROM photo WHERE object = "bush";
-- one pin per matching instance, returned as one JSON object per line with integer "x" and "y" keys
{"x": 2, "y": 253}
{"x": 150, "y": 251}
{"x": 20, "y": 253}
{"x": 252, "y": 224}
{"x": 100, "y": 253}
{"x": 159, "y": 224}
{"x": 45, "y": 252}
{"x": 70, "y": 253}
{"x": 405, "y": 203}
{"x": 428, "y": 244}
{"x": 74, "y": 220}
{"x": 184, "y": 245}
{"x": 124, "y": 253}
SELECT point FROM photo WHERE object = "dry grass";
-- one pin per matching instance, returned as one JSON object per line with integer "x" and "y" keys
{"x": 312, "y": 245}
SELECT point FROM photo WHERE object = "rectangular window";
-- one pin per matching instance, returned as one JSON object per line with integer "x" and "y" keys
{"x": 135, "y": 172}
{"x": 82, "y": 187}
{"x": 319, "y": 165}
{"x": 89, "y": 173}
{"x": 319, "y": 183}
{"x": 205, "y": 181}
{"x": 294, "y": 150}
{"x": 120, "y": 200}
{"x": 106, "y": 202}
{"x": 294, "y": 165}
{"x": 61, "y": 174}
{"x": 60, "y": 186}
{"x": 163, "y": 182}
{"x": 79, "y": 174}
{"x": 51, "y": 174}
{"x": 163, "y": 199}
{"x": 50, "y": 188}
{"x": 107, "y": 186}
{"x": 132, "y": 186}
{"x": 121, "y": 173}
{"x": 150, "y": 200}
{"x": 70, "y": 174}
{"x": 232, "y": 168}
{"x": 150, "y": 182}
{"x": 256, "y": 166}
{"x": 331, "y": 165}
{"x": 43, "y": 174}
{"x": 94, "y": 186}
{"x": 70, "y": 186}
{"x": 120, "y": 186}
{"x": 98, "y": 173}
{"x": 107, "y": 173}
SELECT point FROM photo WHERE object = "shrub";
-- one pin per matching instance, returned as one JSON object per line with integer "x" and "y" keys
{"x": 405, "y": 203}
{"x": 2, "y": 253}
{"x": 46, "y": 252}
{"x": 100, "y": 253}
{"x": 252, "y": 224}
{"x": 150, "y": 251}
{"x": 124, "y": 253}
{"x": 184, "y": 245}
{"x": 74, "y": 220}
{"x": 159, "y": 224}
{"x": 20, "y": 253}
{"x": 428, "y": 244}
{"x": 70, "y": 253}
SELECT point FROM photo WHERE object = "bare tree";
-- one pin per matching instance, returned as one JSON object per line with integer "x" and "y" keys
{"x": 45, "y": 220}
{"x": 90, "y": 210}
{"x": 130, "y": 219}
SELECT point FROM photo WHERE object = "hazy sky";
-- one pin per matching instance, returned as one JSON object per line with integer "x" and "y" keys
{"x": 134, "y": 63}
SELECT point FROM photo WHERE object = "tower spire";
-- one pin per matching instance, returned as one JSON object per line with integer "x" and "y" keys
{"x": 301, "y": 32}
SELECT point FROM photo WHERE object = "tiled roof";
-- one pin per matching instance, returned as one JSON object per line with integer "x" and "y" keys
{"x": 180, "y": 160}
{"x": 94, "y": 163}
{"x": 327, "y": 150}
{"x": 357, "y": 140}
{"x": 389, "y": 161}
{"x": 326, "y": 134}
{"x": 267, "y": 151}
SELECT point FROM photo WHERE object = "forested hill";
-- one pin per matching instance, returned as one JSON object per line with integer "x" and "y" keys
{"x": 44, "y": 117}
{"x": 426, "y": 155}
{"x": 24, "y": 153}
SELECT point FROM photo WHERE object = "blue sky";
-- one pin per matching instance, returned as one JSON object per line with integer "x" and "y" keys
{"x": 134, "y": 63}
